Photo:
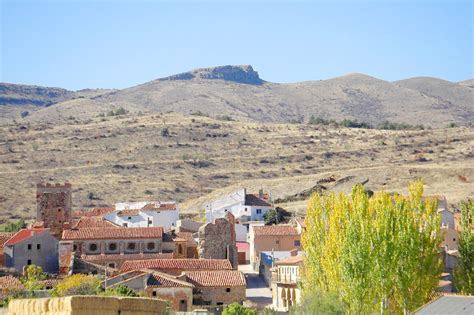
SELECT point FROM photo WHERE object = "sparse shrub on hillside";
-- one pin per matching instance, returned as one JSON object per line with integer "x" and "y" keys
{"x": 24, "y": 114}
{"x": 148, "y": 192}
{"x": 452, "y": 125}
{"x": 165, "y": 132}
{"x": 199, "y": 113}
{"x": 354, "y": 124}
{"x": 118, "y": 112}
{"x": 387, "y": 125}
{"x": 320, "y": 121}
{"x": 13, "y": 226}
{"x": 225, "y": 118}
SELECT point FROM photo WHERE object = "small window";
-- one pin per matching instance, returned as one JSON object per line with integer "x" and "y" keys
{"x": 220, "y": 303}
{"x": 38, "y": 246}
{"x": 112, "y": 246}
{"x": 125, "y": 225}
{"x": 277, "y": 241}
{"x": 129, "y": 218}
{"x": 227, "y": 290}
{"x": 297, "y": 243}
{"x": 154, "y": 293}
{"x": 131, "y": 246}
{"x": 74, "y": 247}
{"x": 150, "y": 246}
{"x": 246, "y": 209}
{"x": 454, "y": 239}
{"x": 28, "y": 262}
{"x": 259, "y": 211}
{"x": 180, "y": 249}
{"x": 112, "y": 265}
{"x": 59, "y": 210}
{"x": 93, "y": 247}
{"x": 30, "y": 246}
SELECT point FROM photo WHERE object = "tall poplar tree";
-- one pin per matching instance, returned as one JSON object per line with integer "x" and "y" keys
{"x": 378, "y": 254}
{"x": 464, "y": 273}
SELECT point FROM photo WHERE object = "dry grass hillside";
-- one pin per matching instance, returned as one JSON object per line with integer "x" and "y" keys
{"x": 239, "y": 92}
{"x": 193, "y": 159}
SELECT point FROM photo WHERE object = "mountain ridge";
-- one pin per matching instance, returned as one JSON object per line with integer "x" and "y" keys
{"x": 239, "y": 92}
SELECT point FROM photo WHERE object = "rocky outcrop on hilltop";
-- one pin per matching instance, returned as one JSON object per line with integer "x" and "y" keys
{"x": 19, "y": 94}
{"x": 240, "y": 74}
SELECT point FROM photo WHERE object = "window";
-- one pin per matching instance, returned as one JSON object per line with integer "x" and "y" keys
{"x": 180, "y": 249}
{"x": 129, "y": 218}
{"x": 93, "y": 247}
{"x": 59, "y": 210}
{"x": 154, "y": 293}
{"x": 277, "y": 241}
{"x": 150, "y": 246}
{"x": 454, "y": 239}
{"x": 113, "y": 246}
{"x": 38, "y": 246}
{"x": 220, "y": 303}
{"x": 150, "y": 222}
{"x": 246, "y": 209}
{"x": 28, "y": 262}
{"x": 227, "y": 290}
{"x": 111, "y": 265}
{"x": 131, "y": 246}
{"x": 125, "y": 225}
{"x": 297, "y": 243}
{"x": 259, "y": 211}
{"x": 74, "y": 247}
{"x": 30, "y": 246}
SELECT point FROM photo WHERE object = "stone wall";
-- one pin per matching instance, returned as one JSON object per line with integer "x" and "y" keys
{"x": 180, "y": 298}
{"x": 216, "y": 295}
{"x": 54, "y": 205}
{"x": 87, "y": 305}
{"x": 217, "y": 240}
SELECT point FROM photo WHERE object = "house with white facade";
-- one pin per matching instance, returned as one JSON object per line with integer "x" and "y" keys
{"x": 145, "y": 214}
{"x": 245, "y": 207}
{"x": 286, "y": 276}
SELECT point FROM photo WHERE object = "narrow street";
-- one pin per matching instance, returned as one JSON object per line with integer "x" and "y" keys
{"x": 258, "y": 294}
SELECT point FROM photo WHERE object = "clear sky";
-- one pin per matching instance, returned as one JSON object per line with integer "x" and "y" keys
{"x": 116, "y": 44}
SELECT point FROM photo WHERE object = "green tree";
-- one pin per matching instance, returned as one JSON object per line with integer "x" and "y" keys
{"x": 78, "y": 284}
{"x": 464, "y": 272}
{"x": 237, "y": 309}
{"x": 120, "y": 290}
{"x": 13, "y": 226}
{"x": 33, "y": 277}
{"x": 376, "y": 254}
{"x": 319, "y": 303}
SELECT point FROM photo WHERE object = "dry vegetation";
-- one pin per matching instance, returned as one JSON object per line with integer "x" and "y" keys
{"x": 192, "y": 159}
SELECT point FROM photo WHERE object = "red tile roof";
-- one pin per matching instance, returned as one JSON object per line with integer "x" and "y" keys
{"x": 186, "y": 236}
{"x": 96, "y": 212}
{"x": 10, "y": 282}
{"x": 91, "y": 222}
{"x": 5, "y": 236}
{"x": 158, "y": 279}
{"x": 275, "y": 230}
{"x": 252, "y": 200}
{"x": 301, "y": 222}
{"x": 216, "y": 278}
{"x": 292, "y": 260}
{"x": 113, "y": 233}
{"x": 184, "y": 264}
{"x": 160, "y": 206}
{"x": 103, "y": 258}
{"x": 23, "y": 235}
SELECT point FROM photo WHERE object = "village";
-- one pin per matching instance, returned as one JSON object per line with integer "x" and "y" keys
{"x": 234, "y": 254}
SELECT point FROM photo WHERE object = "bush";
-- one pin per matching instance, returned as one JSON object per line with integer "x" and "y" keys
{"x": 13, "y": 226}
{"x": 275, "y": 216}
{"x": 237, "y": 309}
{"x": 120, "y": 290}
{"x": 224, "y": 118}
{"x": 24, "y": 114}
{"x": 33, "y": 277}
{"x": 78, "y": 284}
{"x": 354, "y": 124}
{"x": 319, "y": 303}
{"x": 199, "y": 113}
{"x": 165, "y": 132}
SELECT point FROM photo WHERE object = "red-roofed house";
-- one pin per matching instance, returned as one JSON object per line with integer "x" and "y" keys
{"x": 156, "y": 284}
{"x": 272, "y": 238}
{"x": 32, "y": 246}
{"x": 177, "y": 266}
{"x": 108, "y": 243}
{"x": 217, "y": 287}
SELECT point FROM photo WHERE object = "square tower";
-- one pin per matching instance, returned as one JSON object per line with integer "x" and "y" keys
{"x": 54, "y": 206}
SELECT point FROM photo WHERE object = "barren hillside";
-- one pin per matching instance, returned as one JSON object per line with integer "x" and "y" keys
{"x": 193, "y": 159}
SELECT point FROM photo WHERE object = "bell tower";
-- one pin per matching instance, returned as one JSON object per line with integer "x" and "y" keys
{"x": 54, "y": 206}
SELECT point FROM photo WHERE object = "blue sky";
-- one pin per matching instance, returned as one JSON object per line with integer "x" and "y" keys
{"x": 116, "y": 44}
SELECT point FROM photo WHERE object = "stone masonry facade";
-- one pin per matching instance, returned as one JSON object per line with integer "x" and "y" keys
{"x": 54, "y": 206}
{"x": 217, "y": 240}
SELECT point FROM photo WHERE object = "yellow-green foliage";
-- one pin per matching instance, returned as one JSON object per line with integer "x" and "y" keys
{"x": 377, "y": 254}
{"x": 78, "y": 284}
{"x": 33, "y": 277}
{"x": 464, "y": 273}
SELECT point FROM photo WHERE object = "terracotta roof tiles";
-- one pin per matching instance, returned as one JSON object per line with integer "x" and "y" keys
{"x": 113, "y": 233}
{"x": 184, "y": 264}
{"x": 216, "y": 278}
{"x": 91, "y": 222}
{"x": 23, "y": 235}
{"x": 108, "y": 257}
{"x": 275, "y": 230}
{"x": 10, "y": 282}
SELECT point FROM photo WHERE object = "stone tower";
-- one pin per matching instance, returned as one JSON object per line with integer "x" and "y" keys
{"x": 54, "y": 206}
{"x": 217, "y": 240}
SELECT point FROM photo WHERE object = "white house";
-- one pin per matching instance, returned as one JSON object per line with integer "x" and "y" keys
{"x": 286, "y": 291}
{"x": 245, "y": 207}
{"x": 145, "y": 214}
